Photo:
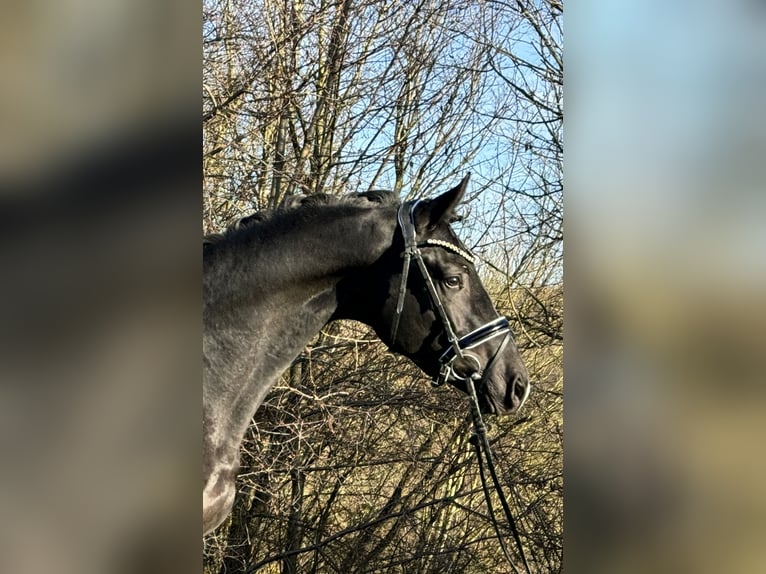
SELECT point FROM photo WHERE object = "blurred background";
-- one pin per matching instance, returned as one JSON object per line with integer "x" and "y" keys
{"x": 100, "y": 158}
{"x": 665, "y": 280}
{"x": 99, "y": 296}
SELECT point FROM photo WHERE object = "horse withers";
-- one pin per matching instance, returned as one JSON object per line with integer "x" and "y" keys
{"x": 273, "y": 281}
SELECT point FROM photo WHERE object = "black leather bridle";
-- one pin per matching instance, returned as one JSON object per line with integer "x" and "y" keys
{"x": 458, "y": 348}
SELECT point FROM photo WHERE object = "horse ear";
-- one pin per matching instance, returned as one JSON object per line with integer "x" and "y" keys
{"x": 431, "y": 212}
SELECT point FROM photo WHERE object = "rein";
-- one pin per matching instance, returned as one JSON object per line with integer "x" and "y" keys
{"x": 459, "y": 348}
{"x": 480, "y": 441}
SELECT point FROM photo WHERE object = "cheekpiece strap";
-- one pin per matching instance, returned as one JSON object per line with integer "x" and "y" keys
{"x": 407, "y": 225}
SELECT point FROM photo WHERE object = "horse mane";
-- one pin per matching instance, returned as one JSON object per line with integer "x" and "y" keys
{"x": 374, "y": 198}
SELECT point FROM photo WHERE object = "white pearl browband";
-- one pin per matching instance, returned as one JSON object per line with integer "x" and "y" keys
{"x": 451, "y": 247}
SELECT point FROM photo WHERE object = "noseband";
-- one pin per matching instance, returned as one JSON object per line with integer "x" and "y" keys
{"x": 458, "y": 348}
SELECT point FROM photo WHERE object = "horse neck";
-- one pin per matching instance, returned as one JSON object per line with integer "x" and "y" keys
{"x": 298, "y": 255}
{"x": 264, "y": 302}
{"x": 324, "y": 249}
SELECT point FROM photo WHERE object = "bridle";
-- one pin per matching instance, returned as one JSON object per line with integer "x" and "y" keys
{"x": 457, "y": 348}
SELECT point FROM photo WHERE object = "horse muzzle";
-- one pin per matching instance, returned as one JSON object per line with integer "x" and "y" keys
{"x": 501, "y": 382}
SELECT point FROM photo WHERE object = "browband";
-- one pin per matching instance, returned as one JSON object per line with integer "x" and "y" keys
{"x": 449, "y": 247}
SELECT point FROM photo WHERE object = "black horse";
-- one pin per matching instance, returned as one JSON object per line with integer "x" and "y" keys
{"x": 275, "y": 279}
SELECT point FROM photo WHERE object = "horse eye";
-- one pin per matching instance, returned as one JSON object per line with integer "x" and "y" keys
{"x": 453, "y": 282}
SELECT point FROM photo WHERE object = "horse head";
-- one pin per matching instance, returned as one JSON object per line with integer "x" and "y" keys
{"x": 425, "y": 300}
